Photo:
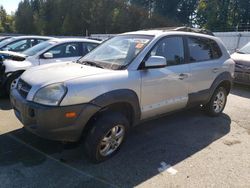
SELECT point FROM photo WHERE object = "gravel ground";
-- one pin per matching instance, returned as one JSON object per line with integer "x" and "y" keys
{"x": 186, "y": 149}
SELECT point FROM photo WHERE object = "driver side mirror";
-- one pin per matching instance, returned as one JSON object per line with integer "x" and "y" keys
{"x": 156, "y": 62}
{"x": 48, "y": 55}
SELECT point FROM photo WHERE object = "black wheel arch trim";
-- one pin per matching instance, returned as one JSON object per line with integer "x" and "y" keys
{"x": 7, "y": 75}
{"x": 225, "y": 76}
{"x": 120, "y": 96}
{"x": 204, "y": 96}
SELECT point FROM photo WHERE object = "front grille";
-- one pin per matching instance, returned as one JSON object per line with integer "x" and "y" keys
{"x": 23, "y": 88}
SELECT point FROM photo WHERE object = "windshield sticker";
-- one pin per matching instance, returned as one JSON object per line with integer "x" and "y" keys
{"x": 139, "y": 45}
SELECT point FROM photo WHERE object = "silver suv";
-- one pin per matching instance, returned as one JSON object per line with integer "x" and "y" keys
{"x": 129, "y": 78}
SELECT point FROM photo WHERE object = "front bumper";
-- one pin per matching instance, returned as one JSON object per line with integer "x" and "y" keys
{"x": 50, "y": 122}
{"x": 242, "y": 78}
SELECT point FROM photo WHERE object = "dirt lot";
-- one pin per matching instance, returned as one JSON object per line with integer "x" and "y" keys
{"x": 187, "y": 149}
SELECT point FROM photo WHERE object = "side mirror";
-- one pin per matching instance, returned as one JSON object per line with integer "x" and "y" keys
{"x": 156, "y": 62}
{"x": 48, "y": 55}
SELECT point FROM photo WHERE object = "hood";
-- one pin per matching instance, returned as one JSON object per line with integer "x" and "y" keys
{"x": 242, "y": 62}
{"x": 12, "y": 66}
{"x": 13, "y": 55}
{"x": 59, "y": 72}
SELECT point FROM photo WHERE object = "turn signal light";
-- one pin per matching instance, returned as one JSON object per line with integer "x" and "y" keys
{"x": 70, "y": 115}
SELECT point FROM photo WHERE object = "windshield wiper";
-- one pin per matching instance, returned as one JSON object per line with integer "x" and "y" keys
{"x": 239, "y": 52}
{"x": 91, "y": 63}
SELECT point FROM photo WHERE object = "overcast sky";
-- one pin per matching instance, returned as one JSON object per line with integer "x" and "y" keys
{"x": 10, "y": 5}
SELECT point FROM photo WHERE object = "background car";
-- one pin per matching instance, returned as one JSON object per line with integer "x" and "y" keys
{"x": 21, "y": 43}
{"x": 3, "y": 38}
{"x": 242, "y": 65}
{"x": 52, "y": 51}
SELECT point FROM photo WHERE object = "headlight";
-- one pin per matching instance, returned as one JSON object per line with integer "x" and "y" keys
{"x": 50, "y": 95}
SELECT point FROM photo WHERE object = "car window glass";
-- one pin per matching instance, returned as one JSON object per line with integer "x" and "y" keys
{"x": 19, "y": 46}
{"x": 216, "y": 50}
{"x": 5, "y": 42}
{"x": 65, "y": 50}
{"x": 172, "y": 49}
{"x": 118, "y": 51}
{"x": 87, "y": 47}
{"x": 34, "y": 50}
{"x": 200, "y": 49}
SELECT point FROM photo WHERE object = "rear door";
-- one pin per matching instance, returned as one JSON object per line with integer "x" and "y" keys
{"x": 63, "y": 52}
{"x": 205, "y": 62}
{"x": 165, "y": 89}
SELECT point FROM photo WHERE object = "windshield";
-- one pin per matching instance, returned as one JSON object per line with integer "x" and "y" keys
{"x": 5, "y": 42}
{"x": 34, "y": 50}
{"x": 118, "y": 51}
{"x": 245, "y": 49}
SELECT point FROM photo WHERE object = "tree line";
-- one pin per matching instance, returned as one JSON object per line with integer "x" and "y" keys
{"x": 83, "y": 17}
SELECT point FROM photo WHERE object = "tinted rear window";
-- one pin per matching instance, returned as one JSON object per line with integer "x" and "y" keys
{"x": 201, "y": 49}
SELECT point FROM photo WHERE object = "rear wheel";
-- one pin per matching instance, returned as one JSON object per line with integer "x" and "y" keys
{"x": 217, "y": 103}
{"x": 106, "y": 136}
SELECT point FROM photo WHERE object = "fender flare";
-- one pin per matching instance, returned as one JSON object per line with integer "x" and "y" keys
{"x": 7, "y": 75}
{"x": 225, "y": 76}
{"x": 204, "y": 96}
{"x": 120, "y": 96}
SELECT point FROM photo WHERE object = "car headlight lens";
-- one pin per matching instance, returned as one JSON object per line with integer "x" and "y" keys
{"x": 50, "y": 95}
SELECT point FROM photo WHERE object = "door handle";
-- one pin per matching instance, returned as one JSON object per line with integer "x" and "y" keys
{"x": 183, "y": 76}
{"x": 215, "y": 70}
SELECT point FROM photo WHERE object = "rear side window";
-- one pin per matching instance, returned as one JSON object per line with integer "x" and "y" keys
{"x": 201, "y": 49}
{"x": 172, "y": 49}
{"x": 87, "y": 47}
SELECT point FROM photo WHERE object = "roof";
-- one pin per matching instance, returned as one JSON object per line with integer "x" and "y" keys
{"x": 32, "y": 36}
{"x": 75, "y": 40}
{"x": 172, "y": 30}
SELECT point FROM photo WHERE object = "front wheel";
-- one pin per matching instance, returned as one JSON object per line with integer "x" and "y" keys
{"x": 217, "y": 103}
{"x": 106, "y": 136}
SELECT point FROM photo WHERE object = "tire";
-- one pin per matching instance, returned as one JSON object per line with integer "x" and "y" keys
{"x": 220, "y": 98}
{"x": 101, "y": 130}
{"x": 9, "y": 82}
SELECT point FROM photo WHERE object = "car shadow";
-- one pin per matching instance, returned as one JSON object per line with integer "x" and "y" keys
{"x": 241, "y": 90}
{"x": 170, "y": 139}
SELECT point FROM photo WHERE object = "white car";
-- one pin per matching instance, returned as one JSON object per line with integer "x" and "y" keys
{"x": 21, "y": 43}
{"x": 242, "y": 65}
{"x": 52, "y": 51}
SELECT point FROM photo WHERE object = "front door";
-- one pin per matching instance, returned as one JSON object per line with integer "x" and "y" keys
{"x": 165, "y": 89}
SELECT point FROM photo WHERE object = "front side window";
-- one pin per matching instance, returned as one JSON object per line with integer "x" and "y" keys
{"x": 201, "y": 49}
{"x": 66, "y": 50}
{"x": 118, "y": 51}
{"x": 172, "y": 49}
{"x": 19, "y": 46}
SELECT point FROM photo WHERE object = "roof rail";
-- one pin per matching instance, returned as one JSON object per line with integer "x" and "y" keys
{"x": 194, "y": 30}
{"x": 185, "y": 29}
